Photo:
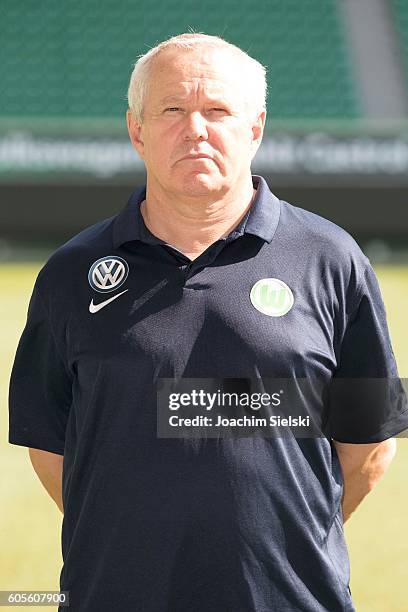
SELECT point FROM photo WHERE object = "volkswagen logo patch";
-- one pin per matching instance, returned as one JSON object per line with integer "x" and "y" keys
{"x": 108, "y": 273}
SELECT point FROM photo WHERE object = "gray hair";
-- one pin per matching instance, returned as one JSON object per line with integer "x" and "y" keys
{"x": 255, "y": 72}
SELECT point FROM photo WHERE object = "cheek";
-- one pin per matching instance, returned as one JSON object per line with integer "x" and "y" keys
{"x": 159, "y": 148}
{"x": 229, "y": 141}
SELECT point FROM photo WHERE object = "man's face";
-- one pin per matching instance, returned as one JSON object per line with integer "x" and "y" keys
{"x": 195, "y": 104}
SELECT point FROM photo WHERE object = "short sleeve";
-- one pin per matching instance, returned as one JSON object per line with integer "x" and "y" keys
{"x": 40, "y": 384}
{"x": 367, "y": 401}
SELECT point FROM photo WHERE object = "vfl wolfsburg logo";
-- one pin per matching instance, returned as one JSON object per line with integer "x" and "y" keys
{"x": 272, "y": 297}
{"x": 108, "y": 273}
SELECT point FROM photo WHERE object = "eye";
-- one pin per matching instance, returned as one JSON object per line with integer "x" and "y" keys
{"x": 173, "y": 108}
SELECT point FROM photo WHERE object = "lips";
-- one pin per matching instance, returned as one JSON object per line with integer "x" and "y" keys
{"x": 197, "y": 156}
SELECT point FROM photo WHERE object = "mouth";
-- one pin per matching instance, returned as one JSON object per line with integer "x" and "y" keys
{"x": 196, "y": 157}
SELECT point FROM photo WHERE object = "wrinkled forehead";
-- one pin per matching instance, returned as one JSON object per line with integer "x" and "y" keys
{"x": 178, "y": 72}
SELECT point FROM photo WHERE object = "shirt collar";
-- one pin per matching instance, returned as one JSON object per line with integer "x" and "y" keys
{"x": 261, "y": 220}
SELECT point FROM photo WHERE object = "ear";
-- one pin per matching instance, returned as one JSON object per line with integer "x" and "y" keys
{"x": 257, "y": 131}
{"x": 135, "y": 133}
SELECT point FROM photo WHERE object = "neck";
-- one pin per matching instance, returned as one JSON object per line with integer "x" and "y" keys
{"x": 191, "y": 224}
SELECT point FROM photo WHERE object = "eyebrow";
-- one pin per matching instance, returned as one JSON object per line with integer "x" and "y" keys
{"x": 170, "y": 99}
{"x": 180, "y": 98}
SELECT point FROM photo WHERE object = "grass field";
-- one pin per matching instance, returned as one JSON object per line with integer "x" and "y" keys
{"x": 30, "y": 522}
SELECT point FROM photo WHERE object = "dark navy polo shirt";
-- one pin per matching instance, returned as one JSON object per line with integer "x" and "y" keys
{"x": 246, "y": 524}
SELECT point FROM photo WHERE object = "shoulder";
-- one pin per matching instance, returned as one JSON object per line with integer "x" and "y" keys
{"x": 68, "y": 263}
{"x": 318, "y": 237}
{"x": 318, "y": 232}
{"x": 325, "y": 252}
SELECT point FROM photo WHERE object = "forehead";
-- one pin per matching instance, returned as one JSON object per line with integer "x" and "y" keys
{"x": 180, "y": 72}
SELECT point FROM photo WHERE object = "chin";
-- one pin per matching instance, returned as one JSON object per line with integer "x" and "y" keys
{"x": 200, "y": 184}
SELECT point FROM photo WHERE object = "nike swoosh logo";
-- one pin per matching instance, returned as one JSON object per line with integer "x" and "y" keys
{"x": 95, "y": 307}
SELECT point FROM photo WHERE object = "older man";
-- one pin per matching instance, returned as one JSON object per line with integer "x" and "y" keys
{"x": 205, "y": 273}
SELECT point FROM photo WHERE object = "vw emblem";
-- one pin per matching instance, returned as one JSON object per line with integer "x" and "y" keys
{"x": 108, "y": 273}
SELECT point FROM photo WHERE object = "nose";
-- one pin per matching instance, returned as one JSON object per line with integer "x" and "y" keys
{"x": 195, "y": 127}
